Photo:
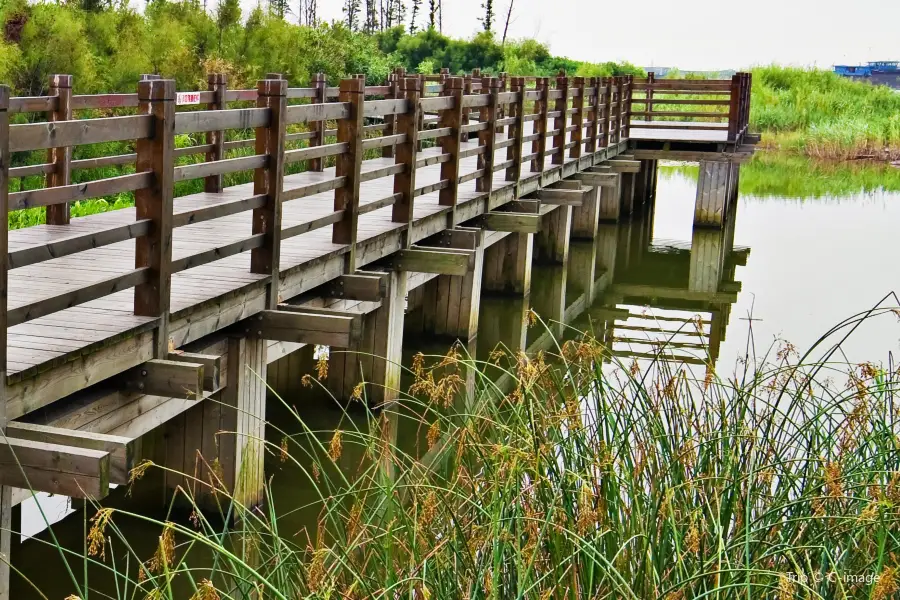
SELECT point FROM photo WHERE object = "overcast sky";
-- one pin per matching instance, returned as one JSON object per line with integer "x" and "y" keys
{"x": 696, "y": 34}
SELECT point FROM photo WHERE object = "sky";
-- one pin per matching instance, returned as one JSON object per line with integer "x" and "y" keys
{"x": 692, "y": 35}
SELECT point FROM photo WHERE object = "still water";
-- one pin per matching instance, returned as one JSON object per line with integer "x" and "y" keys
{"x": 809, "y": 263}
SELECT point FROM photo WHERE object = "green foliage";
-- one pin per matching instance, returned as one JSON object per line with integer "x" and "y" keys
{"x": 823, "y": 115}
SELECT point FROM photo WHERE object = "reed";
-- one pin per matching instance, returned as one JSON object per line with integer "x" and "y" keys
{"x": 580, "y": 477}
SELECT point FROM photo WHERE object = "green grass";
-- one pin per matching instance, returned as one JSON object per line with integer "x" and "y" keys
{"x": 779, "y": 174}
{"x": 819, "y": 114}
{"x": 582, "y": 479}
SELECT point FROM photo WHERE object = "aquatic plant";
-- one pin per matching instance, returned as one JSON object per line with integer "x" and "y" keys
{"x": 571, "y": 475}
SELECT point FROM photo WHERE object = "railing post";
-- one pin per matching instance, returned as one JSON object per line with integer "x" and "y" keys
{"x": 349, "y": 166}
{"x": 541, "y": 108}
{"x": 421, "y": 124}
{"x": 389, "y": 126}
{"x": 156, "y": 97}
{"x": 734, "y": 108}
{"x": 620, "y": 106}
{"x": 468, "y": 90}
{"x": 629, "y": 90}
{"x": 487, "y": 137}
{"x": 60, "y": 158}
{"x": 516, "y": 131}
{"x": 405, "y": 181}
{"x": 606, "y": 119}
{"x": 217, "y": 83}
{"x": 559, "y": 123}
{"x": 452, "y": 118}
{"x": 501, "y": 109}
{"x": 268, "y": 180}
{"x": 6, "y": 524}
{"x": 648, "y": 106}
{"x": 578, "y": 119}
{"x": 320, "y": 83}
{"x": 594, "y": 115}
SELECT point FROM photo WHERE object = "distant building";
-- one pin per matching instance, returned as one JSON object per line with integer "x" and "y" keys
{"x": 661, "y": 72}
{"x": 879, "y": 72}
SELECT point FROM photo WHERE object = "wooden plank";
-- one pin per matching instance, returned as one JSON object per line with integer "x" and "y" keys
{"x": 220, "y": 167}
{"x": 202, "y": 121}
{"x": 80, "y": 191}
{"x": 54, "y": 468}
{"x": 38, "y": 136}
{"x": 511, "y": 221}
{"x": 124, "y": 452}
{"x": 268, "y": 180}
{"x": 305, "y": 327}
{"x": 308, "y": 113}
{"x": 169, "y": 378}
{"x": 623, "y": 166}
{"x": 77, "y": 243}
{"x": 444, "y": 262}
{"x": 597, "y": 179}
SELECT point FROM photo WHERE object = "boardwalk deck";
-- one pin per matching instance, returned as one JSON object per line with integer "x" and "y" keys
{"x": 215, "y": 295}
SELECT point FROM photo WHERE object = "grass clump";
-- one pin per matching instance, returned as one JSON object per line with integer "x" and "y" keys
{"x": 822, "y": 115}
{"x": 581, "y": 478}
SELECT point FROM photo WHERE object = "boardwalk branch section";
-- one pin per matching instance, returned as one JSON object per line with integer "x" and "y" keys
{"x": 167, "y": 316}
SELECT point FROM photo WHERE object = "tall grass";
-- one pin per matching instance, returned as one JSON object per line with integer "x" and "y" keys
{"x": 823, "y": 115}
{"x": 583, "y": 478}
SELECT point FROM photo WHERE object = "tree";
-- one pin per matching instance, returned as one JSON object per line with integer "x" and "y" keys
{"x": 228, "y": 14}
{"x": 487, "y": 21}
{"x": 351, "y": 10}
{"x": 279, "y": 8}
{"x": 371, "y": 25}
{"x": 416, "y": 4}
{"x": 506, "y": 27}
{"x": 432, "y": 14}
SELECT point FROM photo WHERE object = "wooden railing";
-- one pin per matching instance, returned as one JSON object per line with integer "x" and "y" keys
{"x": 693, "y": 104}
{"x": 577, "y": 116}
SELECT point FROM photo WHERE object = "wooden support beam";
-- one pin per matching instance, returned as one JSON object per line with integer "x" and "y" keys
{"x": 597, "y": 179}
{"x": 433, "y": 260}
{"x": 568, "y": 184}
{"x": 60, "y": 158}
{"x": 511, "y": 221}
{"x": 524, "y": 206}
{"x": 54, "y": 468}
{"x": 170, "y": 378}
{"x": 124, "y": 452}
{"x": 359, "y": 286}
{"x": 212, "y": 367}
{"x": 623, "y": 165}
{"x": 561, "y": 197}
{"x": 290, "y": 324}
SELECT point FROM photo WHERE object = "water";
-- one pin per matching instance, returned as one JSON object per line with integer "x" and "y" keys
{"x": 811, "y": 263}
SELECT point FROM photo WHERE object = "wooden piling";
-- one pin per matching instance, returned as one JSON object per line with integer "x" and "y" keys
{"x": 507, "y": 265}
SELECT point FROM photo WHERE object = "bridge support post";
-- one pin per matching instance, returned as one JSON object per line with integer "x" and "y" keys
{"x": 714, "y": 186}
{"x": 507, "y": 265}
{"x": 586, "y": 217}
{"x": 707, "y": 260}
{"x": 549, "y": 298}
{"x": 610, "y": 201}
{"x": 450, "y": 303}
{"x": 374, "y": 360}
{"x": 552, "y": 241}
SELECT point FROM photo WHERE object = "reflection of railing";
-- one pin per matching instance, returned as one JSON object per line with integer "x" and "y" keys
{"x": 570, "y": 117}
{"x": 693, "y": 104}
